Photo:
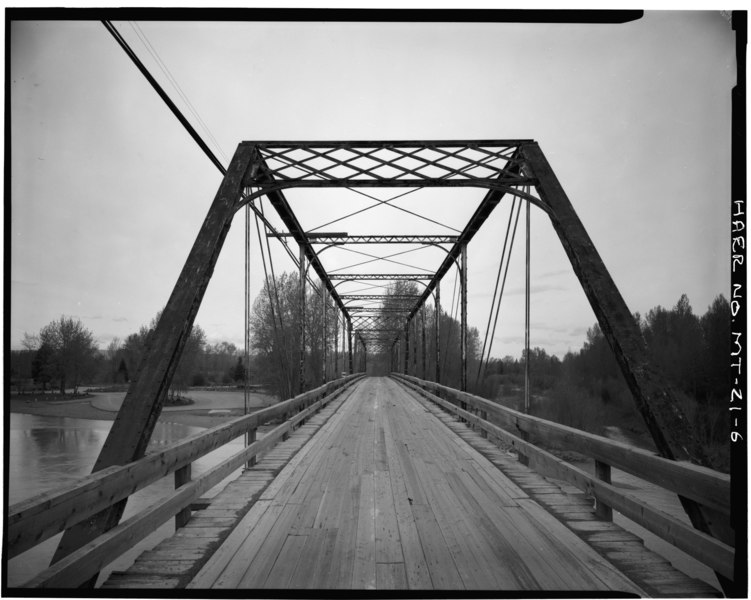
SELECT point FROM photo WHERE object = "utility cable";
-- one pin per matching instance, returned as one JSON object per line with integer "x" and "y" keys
{"x": 165, "y": 69}
{"x": 163, "y": 95}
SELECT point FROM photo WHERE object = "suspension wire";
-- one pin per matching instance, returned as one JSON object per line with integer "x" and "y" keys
{"x": 503, "y": 283}
{"x": 526, "y": 314}
{"x": 495, "y": 291}
{"x": 165, "y": 69}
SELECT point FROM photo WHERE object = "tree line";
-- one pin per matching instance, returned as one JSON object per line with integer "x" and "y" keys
{"x": 587, "y": 390}
{"x": 64, "y": 355}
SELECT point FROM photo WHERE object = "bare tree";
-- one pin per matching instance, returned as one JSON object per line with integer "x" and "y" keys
{"x": 72, "y": 351}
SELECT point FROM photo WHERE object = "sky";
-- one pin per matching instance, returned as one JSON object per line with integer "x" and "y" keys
{"x": 108, "y": 191}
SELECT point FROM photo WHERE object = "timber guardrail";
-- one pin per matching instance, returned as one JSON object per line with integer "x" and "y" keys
{"x": 705, "y": 486}
{"x": 40, "y": 517}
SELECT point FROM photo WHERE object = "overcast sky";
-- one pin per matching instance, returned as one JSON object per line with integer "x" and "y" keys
{"x": 108, "y": 190}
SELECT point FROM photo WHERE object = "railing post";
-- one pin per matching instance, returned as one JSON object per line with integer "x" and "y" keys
{"x": 602, "y": 472}
{"x": 131, "y": 431}
{"x": 182, "y": 476}
{"x": 250, "y": 437}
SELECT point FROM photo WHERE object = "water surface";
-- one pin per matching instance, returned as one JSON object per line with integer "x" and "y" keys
{"x": 46, "y": 453}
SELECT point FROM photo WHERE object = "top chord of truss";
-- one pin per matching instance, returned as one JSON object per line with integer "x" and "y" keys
{"x": 478, "y": 163}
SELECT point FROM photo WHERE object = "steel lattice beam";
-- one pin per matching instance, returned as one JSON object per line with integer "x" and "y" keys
{"x": 343, "y": 238}
{"x": 485, "y": 163}
{"x": 363, "y": 297}
{"x": 379, "y": 276}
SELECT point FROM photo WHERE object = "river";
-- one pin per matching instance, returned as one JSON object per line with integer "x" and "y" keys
{"x": 45, "y": 453}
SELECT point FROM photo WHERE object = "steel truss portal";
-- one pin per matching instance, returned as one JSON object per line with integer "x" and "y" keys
{"x": 498, "y": 167}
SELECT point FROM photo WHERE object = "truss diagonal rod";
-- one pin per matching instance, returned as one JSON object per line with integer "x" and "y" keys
{"x": 490, "y": 157}
{"x": 386, "y": 258}
{"x": 489, "y": 202}
{"x": 386, "y": 202}
{"x": 284, "y": 210}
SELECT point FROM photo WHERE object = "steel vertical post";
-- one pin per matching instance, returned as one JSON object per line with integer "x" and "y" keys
{"x": 325, "y": 341}
{"x": 438, "y": 332}
{"x": 526, "y": 312}
{"x": 336, "y": 343}
{"x": 349, "y": 345}
{"x": 463, "y": 276}
{"x": 424, "y": 371}
{"x": 301, "y": 382}
{"x": 406, "y": 349}
{"x": 414, "y": 351}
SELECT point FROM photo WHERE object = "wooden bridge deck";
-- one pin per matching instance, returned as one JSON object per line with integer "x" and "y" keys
{"x": 385, "y": 496}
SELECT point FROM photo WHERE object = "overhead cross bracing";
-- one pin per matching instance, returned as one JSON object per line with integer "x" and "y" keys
{"x": 287, "y": 171}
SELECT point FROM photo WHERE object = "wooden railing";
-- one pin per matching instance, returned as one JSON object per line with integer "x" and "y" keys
{"x": 706, "y": 487}
{"x": 32, "y": 521}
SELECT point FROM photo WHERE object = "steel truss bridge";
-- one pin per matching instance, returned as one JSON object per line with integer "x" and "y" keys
{"x": 495, "y": 170}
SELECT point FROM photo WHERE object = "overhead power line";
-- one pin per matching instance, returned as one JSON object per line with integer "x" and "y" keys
{"x": 163, "y": 95}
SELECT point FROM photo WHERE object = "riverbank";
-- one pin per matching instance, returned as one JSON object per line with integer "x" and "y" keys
{"x": 86, "y": 408}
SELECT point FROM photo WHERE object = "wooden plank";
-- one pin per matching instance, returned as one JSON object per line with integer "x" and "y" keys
{"x": 416, "y": 569}
{"x": 388, "y": 548}
{"x": 468, "y": 557}
{"x": 364, "y": 575}
{"x": 319, "y": 579}
{"x": 592, "y": 563}
{"x": 508, "y": 552}
{"x": 286, "y": 563}
{"x": 346, "y": 541}
{"x": 391, "y": 576}
{"x": 162, "y": 567}
{"x": 701, "y": 546}
{"x": 244, "y": 541}
{"x": 706, "y": 486}
{"x": 258, "y": 569}
{"x": 443, "y": 572}
{"x": 122, "y": 580}
{"x": 310, "y": 559}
